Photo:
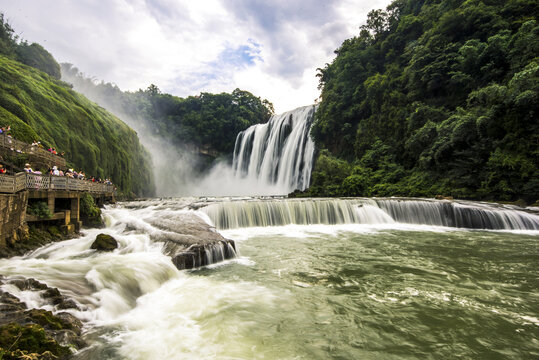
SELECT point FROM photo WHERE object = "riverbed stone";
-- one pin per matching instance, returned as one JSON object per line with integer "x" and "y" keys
{"x": 104, "y": 242}
{"x": 188, "y": 238}
{"x": 40, "y": 333}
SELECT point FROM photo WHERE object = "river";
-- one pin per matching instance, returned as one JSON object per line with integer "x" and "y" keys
{"x": 325, "y": 287}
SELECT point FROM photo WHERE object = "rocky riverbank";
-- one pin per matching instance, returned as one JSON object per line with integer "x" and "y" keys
{"x": 27, "y": 333}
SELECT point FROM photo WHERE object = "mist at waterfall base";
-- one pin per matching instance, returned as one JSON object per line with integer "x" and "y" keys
{"x": 314, "y": 279}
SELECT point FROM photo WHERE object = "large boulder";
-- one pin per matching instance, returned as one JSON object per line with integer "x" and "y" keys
{"x": 104, "y": 242}
{"x": 191, "y": 242}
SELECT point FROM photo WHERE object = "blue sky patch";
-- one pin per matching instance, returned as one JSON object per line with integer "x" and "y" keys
{"x": 241, "y": 56}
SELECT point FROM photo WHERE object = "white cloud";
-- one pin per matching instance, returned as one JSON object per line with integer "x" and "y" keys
{"x": 269, "y": 48}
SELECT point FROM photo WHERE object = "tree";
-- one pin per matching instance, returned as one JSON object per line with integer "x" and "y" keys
{"x": 36, "y": 56}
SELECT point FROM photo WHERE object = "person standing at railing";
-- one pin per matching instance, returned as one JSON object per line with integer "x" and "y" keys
{"x": 2, "y": 169}
{"x": 27, "y": 168}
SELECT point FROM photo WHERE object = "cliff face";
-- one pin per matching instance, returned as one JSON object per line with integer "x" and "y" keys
{"x": 40, "y": 107}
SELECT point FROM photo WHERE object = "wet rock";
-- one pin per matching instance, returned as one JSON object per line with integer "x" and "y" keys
{"x": 191, "y": 242}
{"x": 65, "y": 304}
{"x": 104, "y": 242}
{"x": 9, "y": 304}
{"x": 29, "y": 284}
{"x": 53, "y": 295}
{"x": 40, "y": 333}
{"x": 70, "y": 322}
{"x": 202, "y": 255}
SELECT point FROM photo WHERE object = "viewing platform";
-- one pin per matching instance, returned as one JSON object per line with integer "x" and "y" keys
{"x": 61, "y": 194}
{"x": 44, "y": 182}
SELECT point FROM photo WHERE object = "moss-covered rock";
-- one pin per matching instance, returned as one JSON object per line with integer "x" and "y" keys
{"x": 104, "y": 242}
{"x": 17, "y": 340}
{"x": 37, "y": 237}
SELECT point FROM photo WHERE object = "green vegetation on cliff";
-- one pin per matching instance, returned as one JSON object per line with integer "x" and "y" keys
{"x": 40, "y": 107}
{"x": 208, "y": 121}
{"x": 433, "y": 97}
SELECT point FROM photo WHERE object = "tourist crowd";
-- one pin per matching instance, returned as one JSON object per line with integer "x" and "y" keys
{"x": 70, "y": 173}
{"x": 55, "y": 171}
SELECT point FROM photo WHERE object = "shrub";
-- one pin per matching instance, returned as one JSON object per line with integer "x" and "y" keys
{"x": 39, "y": 209}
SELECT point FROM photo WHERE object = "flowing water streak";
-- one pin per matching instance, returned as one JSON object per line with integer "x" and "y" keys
{"x": 237, "y": 214}
{"x": 279, "y": 152}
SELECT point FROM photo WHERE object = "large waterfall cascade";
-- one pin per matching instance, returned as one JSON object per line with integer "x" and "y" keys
{"x": 279, "y": 152}
{"x": 457, "y": 214}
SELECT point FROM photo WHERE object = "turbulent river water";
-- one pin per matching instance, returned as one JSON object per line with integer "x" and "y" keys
{"x": 340, "y": 279}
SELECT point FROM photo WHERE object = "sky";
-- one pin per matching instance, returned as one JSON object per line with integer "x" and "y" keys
{"x": 271, "y": 48}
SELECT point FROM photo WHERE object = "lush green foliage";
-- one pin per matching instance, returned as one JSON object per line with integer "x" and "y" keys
{"x": 39, "y": 209}
{"x": 88, "y": 207}
{"x": 434, "y": 97}
{"x": 39, "y": 107}
{"x": 8, "y": 39}
{"x": 36, "y": 56}
{"x": 209, "y": 122}
{"x": 90, "y": 214}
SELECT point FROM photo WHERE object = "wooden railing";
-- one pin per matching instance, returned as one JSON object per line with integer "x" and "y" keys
{"x": 25, "y": 148}
{"x": 21, "y": 181}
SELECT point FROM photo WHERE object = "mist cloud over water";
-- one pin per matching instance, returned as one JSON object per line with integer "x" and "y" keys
{"x": 175, "y": 170}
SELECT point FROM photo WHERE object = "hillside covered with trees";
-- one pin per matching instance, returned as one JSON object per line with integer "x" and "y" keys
{"x": 433, "y": 97}
{"x": 208, "y": 122}
{"x": 38, "y": 106}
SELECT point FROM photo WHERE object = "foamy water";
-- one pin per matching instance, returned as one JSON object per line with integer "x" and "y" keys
{"x": 374, "y": 290}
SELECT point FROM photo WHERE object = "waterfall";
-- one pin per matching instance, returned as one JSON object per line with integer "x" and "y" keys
{"x": 236, "y": 214}
{"x": 279, "y": 152}
{"x": 460, "y": 215}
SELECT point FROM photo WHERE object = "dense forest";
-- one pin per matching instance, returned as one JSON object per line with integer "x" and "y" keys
{"x": 433, "y": 97}
{"x": 207, "y": 122}
{"x": 38, "y": 106}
